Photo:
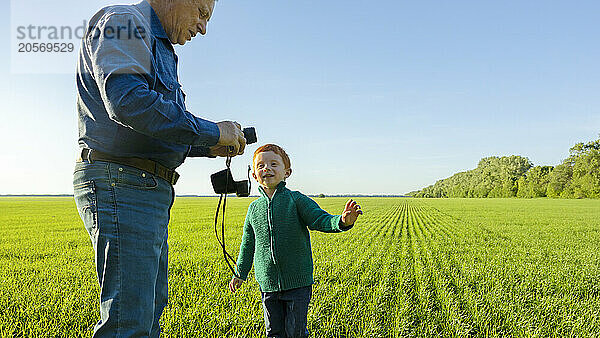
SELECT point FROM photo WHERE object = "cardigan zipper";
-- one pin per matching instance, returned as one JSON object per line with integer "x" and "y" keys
{"x": 270, "y": 221}
{"x": 269, "y": 214}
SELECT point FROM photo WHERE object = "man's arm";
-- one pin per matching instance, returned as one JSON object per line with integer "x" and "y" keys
{"x": 212, "y": 152}
{"x": 122, "y": 67}
{"x": 200, "y": 151}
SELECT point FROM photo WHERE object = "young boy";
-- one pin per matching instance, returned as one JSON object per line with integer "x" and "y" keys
{"x": 276, "y": 239}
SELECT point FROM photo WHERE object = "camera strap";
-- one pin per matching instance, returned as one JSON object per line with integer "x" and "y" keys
{"x": 249, "y": 180}
{"x": 231, "y": 262}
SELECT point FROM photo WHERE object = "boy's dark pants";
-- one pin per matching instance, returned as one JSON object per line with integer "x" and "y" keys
{"x": 285, "y": 312}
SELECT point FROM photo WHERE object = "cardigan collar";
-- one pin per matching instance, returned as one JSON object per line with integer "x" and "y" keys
{"x": 280, "y": 186}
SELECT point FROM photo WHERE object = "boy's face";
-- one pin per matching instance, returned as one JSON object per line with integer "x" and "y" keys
{"x": 269, "y": 169}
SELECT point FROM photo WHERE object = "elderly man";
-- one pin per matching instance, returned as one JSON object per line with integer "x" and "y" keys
{"x": 134, "y": 131}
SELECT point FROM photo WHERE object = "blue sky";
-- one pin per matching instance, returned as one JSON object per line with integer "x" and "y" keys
{"x": 383, "y": 97}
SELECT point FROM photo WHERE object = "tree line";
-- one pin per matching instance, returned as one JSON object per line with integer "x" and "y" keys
{"x": 578, "y": 176}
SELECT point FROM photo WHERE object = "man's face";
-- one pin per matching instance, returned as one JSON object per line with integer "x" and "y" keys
{"x": 188, "y": 18}
{"x": 269, "y": 169}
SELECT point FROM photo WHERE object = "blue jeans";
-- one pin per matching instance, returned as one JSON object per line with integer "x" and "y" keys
{"x": 285, "y": 312}
{"x": 126, "y": 213}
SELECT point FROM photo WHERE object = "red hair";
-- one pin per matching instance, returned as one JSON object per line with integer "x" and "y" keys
{"x": 277, "y": 150}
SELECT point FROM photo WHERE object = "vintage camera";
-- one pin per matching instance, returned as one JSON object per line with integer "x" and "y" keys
{"x": 223, "y": 182}
{"x": 250, "y": 135}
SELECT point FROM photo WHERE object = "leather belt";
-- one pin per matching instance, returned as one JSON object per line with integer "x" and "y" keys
{"x": 149, "y": 166}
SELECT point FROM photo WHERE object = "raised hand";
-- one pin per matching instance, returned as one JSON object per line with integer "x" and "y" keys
{"x": 351, "y": 212}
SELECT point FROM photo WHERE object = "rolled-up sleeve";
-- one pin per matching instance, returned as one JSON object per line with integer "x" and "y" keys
{"x": 200, "y": 151}
{"x": 122, "y": 65}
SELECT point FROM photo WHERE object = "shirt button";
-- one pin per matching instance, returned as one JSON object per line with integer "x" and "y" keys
{"x": 143, "y": 174}
{"x": 112, "y": 184}
{"x": 120, "y": 169}
{"x": 170, "y": 86}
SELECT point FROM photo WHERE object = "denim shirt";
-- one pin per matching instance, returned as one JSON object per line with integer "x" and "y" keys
{"x": 129, "y": 100}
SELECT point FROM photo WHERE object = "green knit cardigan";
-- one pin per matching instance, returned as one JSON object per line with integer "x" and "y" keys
{"x": 277, "y": 240}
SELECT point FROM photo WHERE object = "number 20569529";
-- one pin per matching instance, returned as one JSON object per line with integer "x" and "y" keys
{"x": 49, "y": 47}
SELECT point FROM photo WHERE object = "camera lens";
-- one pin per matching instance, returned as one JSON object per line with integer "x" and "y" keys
{"x": 223, "y": 182}
{"x": 243, "y": 189}
{"x": 250, "y": 135}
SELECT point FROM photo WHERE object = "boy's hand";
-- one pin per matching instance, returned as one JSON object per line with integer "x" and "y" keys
{"x": 235, "y": 284}
{"x": 351, "y": 212}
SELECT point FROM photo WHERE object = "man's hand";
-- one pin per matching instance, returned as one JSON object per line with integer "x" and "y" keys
{"x": 221, "y": 151}
{"x": 235, "y": 284}
{"x": 231, "y": 135}
{"x": 351, "y": 212}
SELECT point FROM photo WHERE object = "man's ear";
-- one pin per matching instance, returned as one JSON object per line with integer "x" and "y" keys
{"x": 254, "y": 176}
{"x": 288, "y": 172}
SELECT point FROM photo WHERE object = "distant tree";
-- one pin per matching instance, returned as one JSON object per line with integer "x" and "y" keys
{"x": 495, "y": 192}
{"x": 559, "y": 181}
{"x": 585, "y": 161}
{"x": 509, "y": 188}
{"x": 535, "y": 182}
{"x": 493, "y": 177}
{"x": 509, "y": 176}
{"x": 321, "y": 195}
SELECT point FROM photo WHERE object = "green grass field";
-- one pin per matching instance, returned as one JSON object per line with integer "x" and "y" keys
{"x": 410, "y": 267}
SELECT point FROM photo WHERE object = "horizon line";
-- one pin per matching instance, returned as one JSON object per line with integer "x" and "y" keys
{"x": 230, "y": 195}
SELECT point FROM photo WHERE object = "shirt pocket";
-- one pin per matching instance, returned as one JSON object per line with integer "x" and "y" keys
{"x": 170, "y": 89}
{"x": 165, "y": 73}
